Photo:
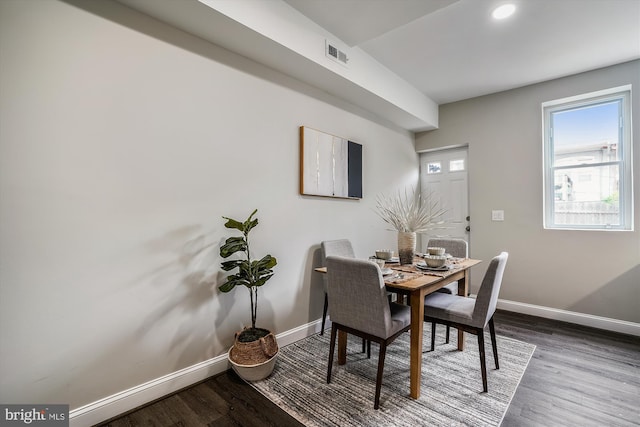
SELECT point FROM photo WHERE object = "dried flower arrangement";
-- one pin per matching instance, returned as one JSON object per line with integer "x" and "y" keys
{"x": 411, "y": 212}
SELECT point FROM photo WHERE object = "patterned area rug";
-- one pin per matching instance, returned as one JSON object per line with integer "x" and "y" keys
{"x": 451, "y": 391}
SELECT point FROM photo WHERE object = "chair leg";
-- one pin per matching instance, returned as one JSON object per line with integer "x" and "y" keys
{"x": 368, "y": 349}
{"x": 483, "y": 366}
{"x": 381, "y": 356}
{"x": 324, "y": 313}
{"x": 332, "y": 347}
{"x": 492, "y": 330}
{"x": 448, "y": 330}
{"x": 433, "y": 335}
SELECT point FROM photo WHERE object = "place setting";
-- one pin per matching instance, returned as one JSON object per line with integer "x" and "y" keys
{"x": 383, "y": 257}
{"x": 434, "y": 262}
{"x": 391, "y": 274}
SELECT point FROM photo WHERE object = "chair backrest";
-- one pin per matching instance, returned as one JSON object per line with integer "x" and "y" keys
{"x": 456, "y": 247}
{"x": 357, "y": 296}
{"x": 487, "y": 297}
{"x": 341, "y": 247}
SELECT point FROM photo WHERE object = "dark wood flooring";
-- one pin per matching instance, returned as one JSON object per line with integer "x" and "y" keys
{"x": 578, "y": 376}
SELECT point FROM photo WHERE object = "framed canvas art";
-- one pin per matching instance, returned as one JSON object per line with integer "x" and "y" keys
{"x": 330, "y": 166}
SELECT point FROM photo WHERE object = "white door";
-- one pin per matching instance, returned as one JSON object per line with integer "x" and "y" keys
{"x": 443, "y": 175}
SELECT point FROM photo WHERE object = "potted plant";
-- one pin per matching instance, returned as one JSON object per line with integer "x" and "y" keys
{"x": 408, "y": 215}
{"x": 254, "y": 351}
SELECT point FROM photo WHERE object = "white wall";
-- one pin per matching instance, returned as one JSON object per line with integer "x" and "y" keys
{"x": 122, "y": 144}
{"x": 590, "y": 272}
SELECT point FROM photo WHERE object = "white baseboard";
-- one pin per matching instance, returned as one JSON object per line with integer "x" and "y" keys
{"x": 605, "y": 323}
{"x": 134, "y": 397}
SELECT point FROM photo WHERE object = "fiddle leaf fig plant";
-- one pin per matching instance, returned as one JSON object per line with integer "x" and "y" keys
{"x": 251, "y": 273}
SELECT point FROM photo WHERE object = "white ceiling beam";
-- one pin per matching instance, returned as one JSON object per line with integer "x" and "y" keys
{"x": 277, "y": 35}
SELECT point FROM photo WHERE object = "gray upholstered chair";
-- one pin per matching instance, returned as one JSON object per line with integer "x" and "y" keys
{"x": 341, "y": 247}
{"x": 359, "y": 306}
{"x": 471, "y": 315}
{"x": 459, "y": 249}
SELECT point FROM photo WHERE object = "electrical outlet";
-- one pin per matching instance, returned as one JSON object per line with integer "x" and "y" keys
{"x": 497, "y": 215}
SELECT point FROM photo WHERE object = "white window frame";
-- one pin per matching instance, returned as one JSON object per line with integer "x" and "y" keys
{"x": 623, "y": 94}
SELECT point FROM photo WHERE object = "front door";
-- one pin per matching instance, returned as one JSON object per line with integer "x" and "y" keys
{"x": 443, "y": 175}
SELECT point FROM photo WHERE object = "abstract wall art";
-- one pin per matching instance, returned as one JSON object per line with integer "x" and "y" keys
{"x": 330, "y": 166}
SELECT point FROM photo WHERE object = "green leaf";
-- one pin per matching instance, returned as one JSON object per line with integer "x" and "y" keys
{"x": 232, "y": 223}
{"x": 245, "y": 227}
{"x": 267, "y": 261}
{"x": 233, "y": 245}
{"x": 244, "y": 269}
{"x": 233, "y": 281}
{"x": 249, "y": 225}
{"x": 262, "y": 280}
{"x": 227, "y": 287}
{"x": 230, "y": 265}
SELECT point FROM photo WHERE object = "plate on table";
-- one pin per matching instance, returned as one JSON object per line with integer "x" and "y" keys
{"x": 426, "y": 267}
{"x": 386, "y": 271}
{"x": 393, "y": 259}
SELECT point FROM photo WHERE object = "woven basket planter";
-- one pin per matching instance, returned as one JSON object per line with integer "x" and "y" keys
{"x": 254, "y": 360}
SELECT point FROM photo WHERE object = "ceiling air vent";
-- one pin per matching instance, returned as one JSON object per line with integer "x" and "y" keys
{"x": 334, "y": 53}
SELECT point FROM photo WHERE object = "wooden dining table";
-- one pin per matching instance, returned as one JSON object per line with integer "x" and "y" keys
{"x": 417, "y": 284}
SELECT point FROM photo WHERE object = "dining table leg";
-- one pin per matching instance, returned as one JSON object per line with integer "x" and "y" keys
{"x": 463, "y": 290}
{"x": 417, "y": 322}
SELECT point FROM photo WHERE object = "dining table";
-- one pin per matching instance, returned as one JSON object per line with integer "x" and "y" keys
{"x": 416, "y": 283}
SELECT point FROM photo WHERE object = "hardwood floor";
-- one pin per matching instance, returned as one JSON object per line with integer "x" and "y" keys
{"x": 578, "y": 376}
{"x": 222, "y": 400}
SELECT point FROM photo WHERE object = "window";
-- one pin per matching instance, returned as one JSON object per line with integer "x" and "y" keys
{"x": 434, "y": 167}
{"x": 588, "y": 162}
{"x": 456, "y": 165}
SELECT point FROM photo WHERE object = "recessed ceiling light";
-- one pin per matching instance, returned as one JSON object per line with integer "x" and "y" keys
{"x": 504, "y": 11}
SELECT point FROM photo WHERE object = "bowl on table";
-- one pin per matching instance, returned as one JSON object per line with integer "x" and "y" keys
{"x": 384, "y": 254}
{"x": 435, "y": 250}
{"x": 435, "y": 261}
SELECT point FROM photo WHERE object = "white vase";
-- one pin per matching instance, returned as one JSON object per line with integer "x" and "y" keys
{"x": 406, "y": 246}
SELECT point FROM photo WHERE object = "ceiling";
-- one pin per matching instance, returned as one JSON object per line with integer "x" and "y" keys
{"x": 407, "y": 57}
{"x": 453, "y": 49}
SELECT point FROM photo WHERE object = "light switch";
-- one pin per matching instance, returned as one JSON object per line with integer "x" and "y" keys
{"x": 497, "y": 215}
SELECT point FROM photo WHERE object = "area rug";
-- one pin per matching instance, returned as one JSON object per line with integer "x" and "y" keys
{"x": 451, "y": 387}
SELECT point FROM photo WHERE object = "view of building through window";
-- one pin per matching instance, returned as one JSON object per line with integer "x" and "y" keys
{"x": 585, "y": 154}
{"x": 587, "y": 163}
